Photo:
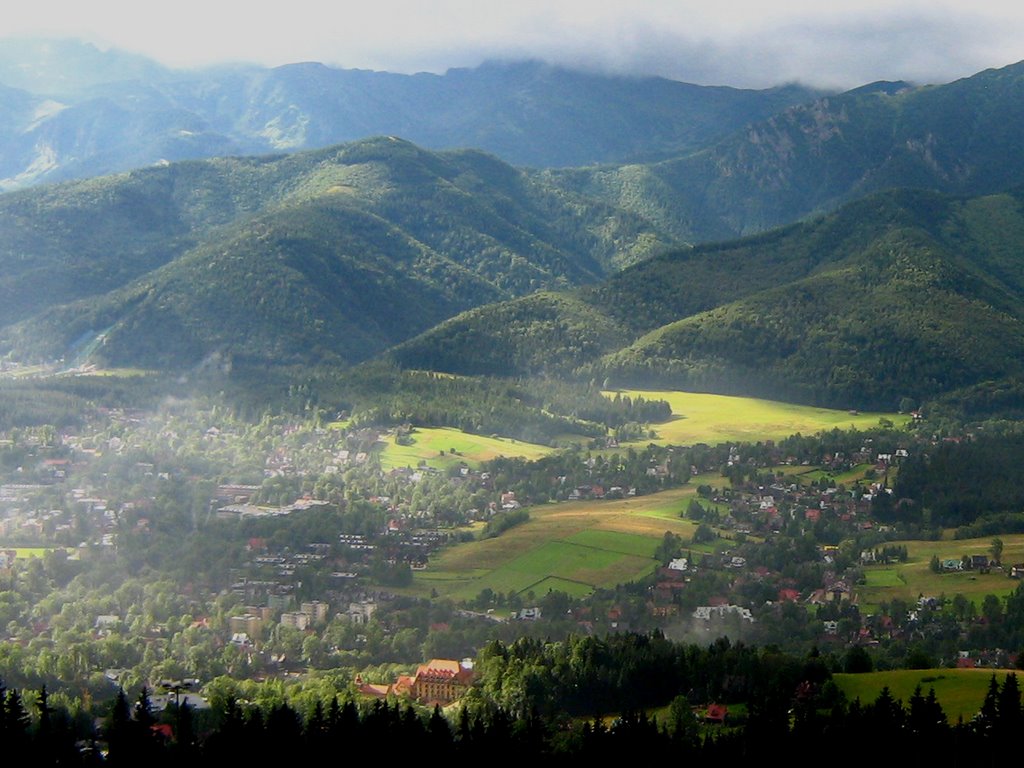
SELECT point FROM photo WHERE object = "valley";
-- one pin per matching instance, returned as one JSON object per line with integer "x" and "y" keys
{"x": 516, "y": 405}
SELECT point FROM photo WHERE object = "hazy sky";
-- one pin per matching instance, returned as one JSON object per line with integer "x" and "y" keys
{"x": 835, "y": 43}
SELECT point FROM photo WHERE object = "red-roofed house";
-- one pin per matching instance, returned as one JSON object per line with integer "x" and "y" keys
{"x": 716, "y": 714}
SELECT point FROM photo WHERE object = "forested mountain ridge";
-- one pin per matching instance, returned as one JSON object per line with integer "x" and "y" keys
{"x": 959, "y": 138}
{"x": 900, "y": 295}
{"x": 329, "y": 255}
{"x": 336, "y": 255}
{"x": 88, "y": 113}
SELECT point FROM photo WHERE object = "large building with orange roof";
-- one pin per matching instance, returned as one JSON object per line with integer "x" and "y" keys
{"x": 439, "y": 681}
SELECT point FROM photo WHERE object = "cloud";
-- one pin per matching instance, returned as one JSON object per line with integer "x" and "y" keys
{"x": 752, "y": 44}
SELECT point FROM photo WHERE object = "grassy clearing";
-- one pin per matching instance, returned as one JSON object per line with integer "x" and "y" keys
{"x": 616, "y": 541}
{"x": 23, "y": 553}
{"x": 884, "y": 577}
{"x": 587, "y": 544}
{"x": 574, "y": 589}
{"x": 121, "y": 373}
{"x": 27, "y": 552}
{"x": 959, "y": 691}
{"x": 908, "y": 580}
{"x": 445, "y": 447}
{"x": 713, "y": 419}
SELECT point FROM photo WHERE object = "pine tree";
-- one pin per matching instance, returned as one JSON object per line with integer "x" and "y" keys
{"x": 439, "y": 732}
{"x": 1009, "y": 718}
{"x": 16, "y": 722}
{"x": 986, "y": 718}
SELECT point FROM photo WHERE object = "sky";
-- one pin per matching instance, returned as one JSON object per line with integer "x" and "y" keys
{"x": 828, "y": 43}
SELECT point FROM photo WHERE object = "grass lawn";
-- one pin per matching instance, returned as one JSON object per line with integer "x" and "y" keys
{"x": 712, "y": 419}
{"x": 959, "y": 691}
{"x": 26, "y": 552}
{"x": 444, "y": 447}
{"x": 580, "y": 545}
{"x": 23, "y": 553}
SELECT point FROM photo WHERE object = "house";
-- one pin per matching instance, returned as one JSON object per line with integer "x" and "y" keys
{"x": 247, "y": 624}
{"x": 376, "y": 690}
{"x": 980, "y": 563}
{"x": 361, "y": 612}
{"x": 296, "y": 620}
{"x": 316, "y": 609}
{"x": 707, "y": 612}
{"x": 716, "y": 714}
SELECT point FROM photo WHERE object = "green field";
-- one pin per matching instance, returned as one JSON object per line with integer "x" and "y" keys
{"x": 907, "y": 581}
{"x": 713, "y": 419}
{"x": 23, "y": 553}
{"x": 121, "y": 373}
{"x": 445, "y": 447}
{"x": 574, "y": 547}
{"x": 959, "y": 691}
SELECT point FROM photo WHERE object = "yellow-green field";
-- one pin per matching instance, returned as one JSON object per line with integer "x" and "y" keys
{"x": 712, "y": 419}
{"x": 434, "y": 447}
{"x": 959, "y": 691}
{"x": 908, "y": 580}
{"x": 120, "y": 373}
{"x": 574, "y": 547}
{"x": 26, "y": 552}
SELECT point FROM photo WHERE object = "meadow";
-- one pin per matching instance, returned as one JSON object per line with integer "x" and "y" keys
{"x": 443, "y": 447}
{"x": 959, "y": 691}
{"x": 712, "y": 419}
{"x": 574, "y": 547}
{"x": 697, "y": 418}
{"x": 23, "y": 553}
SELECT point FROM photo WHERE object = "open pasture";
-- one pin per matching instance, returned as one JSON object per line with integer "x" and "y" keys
{"x": 712, "y": 419}
{"x": 579, "y": 545}
{"x": 442, "y": 447}
{"x": 959, "y": 691}
{"x": 24, "y": 553}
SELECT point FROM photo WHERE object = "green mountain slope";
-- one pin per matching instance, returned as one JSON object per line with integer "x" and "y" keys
{"x": 335, "y": 254}
{"x": 534, "y": 335}
{"x": 902, "y": 294}
{"x": 959, "y": 138}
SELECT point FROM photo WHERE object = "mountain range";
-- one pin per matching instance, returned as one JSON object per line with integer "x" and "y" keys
{"x": 959, "y": 138}
{"x": 68, "y": 110}
{"x": 331, "y": 255}
{"x": 856, "y": 249}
